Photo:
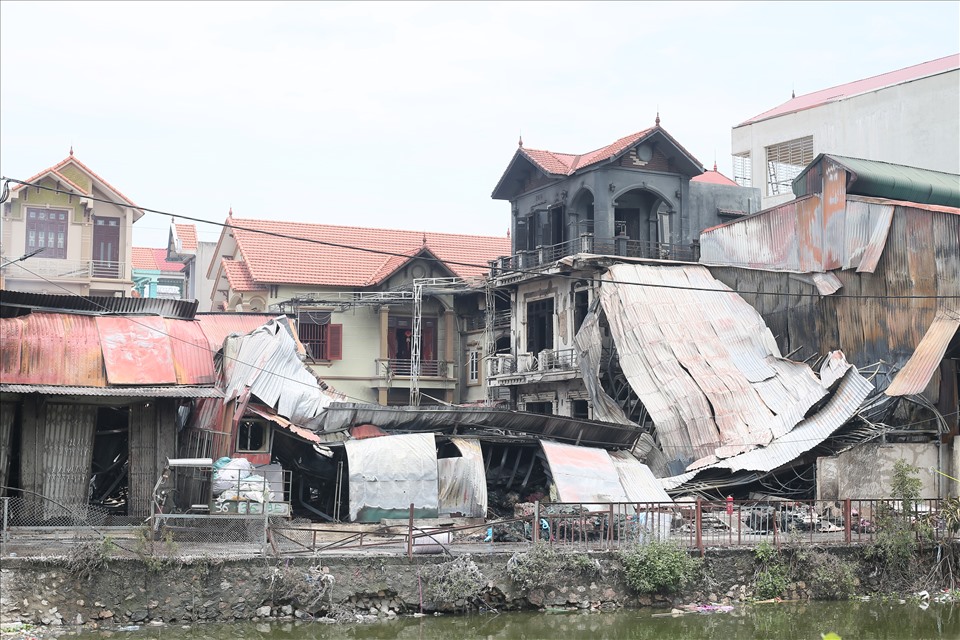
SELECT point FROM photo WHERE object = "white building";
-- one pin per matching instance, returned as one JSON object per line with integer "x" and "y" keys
{"x": 910, "y": 117}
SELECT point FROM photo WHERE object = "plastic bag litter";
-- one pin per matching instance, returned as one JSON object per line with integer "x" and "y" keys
{"x": 230, "y": 474}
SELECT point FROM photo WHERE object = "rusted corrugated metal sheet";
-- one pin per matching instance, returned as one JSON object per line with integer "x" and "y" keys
{"x": 389, "y": 474}
{"x": 68, "y": 434}
{"x": 136, "y": 351}
{"x": 583, "y": 474}
{"x": 803, "y": 236}
{"x": 362, "y": 431}
{"x": 217, "y": 326}
{"x": 916, "y": 374}
{"x": 192, "y": 356}
{"x": 703, "y": 363}
{"x": 50, "y": 348}
{"x": 463, "y": 481}
{"x": 637, "y": 479}
{"x": 172, "y": 391}
{"x": 283, "y": 423}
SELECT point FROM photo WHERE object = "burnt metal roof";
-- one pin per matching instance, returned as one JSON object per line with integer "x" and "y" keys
{"x": 173, "y": 391}
{"x": 19, "y": 303}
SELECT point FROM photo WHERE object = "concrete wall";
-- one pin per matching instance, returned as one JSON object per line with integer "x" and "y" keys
{"x": 705, "y": 201}
{"x": 866, "y": 470}
{"x": 914, "y": 124}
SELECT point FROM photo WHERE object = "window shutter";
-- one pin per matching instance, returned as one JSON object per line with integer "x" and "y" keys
{"x": 335, "y": 342}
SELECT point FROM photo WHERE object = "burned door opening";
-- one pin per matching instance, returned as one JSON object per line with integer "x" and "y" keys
{"x": 111, "y": 456}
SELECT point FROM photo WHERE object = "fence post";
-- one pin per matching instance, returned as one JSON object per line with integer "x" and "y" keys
{"x": 536, "y": 521}
{"x": 610, "y": 526}
{"x": 846, "y": 520}
{"x": 698, "y": 516}
{"x": 6, "y": 519}
{"x": 410, "y": 535}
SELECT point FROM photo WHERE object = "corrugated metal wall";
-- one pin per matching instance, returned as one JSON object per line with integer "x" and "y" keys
{"x": 7, "y": 412}
{"x": 143, "y": 455}
{"x": 68, "y": 435}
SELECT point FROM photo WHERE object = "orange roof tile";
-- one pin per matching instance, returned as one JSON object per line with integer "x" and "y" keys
{"x": 566, "y": 163}
{"x": 238, "y": 276}
{"x": 153, "y": 260}
{"x": 713, "y": 177}
{"x": 187, "y": 233}
{"x": 275, "y": 260}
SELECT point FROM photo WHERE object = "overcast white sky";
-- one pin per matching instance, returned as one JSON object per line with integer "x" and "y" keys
{"x": 404, "y": 115}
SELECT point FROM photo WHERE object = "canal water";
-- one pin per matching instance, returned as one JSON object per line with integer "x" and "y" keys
{"x": 783, "y": 621}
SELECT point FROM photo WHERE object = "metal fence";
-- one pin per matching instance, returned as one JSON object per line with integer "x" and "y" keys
{"x": 695, "y": 524}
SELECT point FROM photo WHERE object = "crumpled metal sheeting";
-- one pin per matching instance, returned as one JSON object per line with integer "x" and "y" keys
{"x": 637, "y": 479}
{"x": 589, "y": 345}
{"x": 390, "y": 473}
{"x": 463, "y": 481}
{"x": 266, "y": 361}
{"x": 842, "y": 406}
{"x": 705, "y": 398}
{"x": 583, "y": 474}
{"x": 916, "y": 374}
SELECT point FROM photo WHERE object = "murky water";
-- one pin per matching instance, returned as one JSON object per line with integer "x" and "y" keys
{"x": 784, "y": 621}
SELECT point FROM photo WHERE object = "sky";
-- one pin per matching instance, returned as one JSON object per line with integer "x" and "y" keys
{"x": 405, "y": 115}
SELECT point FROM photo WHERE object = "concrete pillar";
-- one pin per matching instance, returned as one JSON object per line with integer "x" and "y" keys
{"x": 384, "y": 354}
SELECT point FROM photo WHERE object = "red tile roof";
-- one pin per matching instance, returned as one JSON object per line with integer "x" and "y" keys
{"x": 71, "y": 159}
{"x": 153, "y": 260}
{"x": 566, "y": 163}
{"x": 817, "y": 98}
{"x": 713, "y": 177}
{"x": 187, "y": 233}
{"x": 275, "y": 260}
{"x": 238, "y": 276}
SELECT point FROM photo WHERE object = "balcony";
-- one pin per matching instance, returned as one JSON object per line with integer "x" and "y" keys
{"x": 506, "y": 369}
{"x": 50, "y": 269}
{"x": 587, "y": 243}
{"x": 403, "y": 367}
{"x": 501, "y": 320}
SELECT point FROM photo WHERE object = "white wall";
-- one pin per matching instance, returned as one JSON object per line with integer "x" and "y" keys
{"x": 916, "y": 124}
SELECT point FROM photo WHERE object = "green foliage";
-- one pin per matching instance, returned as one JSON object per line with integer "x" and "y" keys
{"x": 765, "y": 553}
{"x": 454, "y": 581}
{"x": 830, "y": 577}
{"x": 542, "y": 564}
{"x": 658, "y": 567}
{"x": 89, "y": 557}
{"x": 905, "y": 485}
{"x": 771, "y": 582}
{"x": 950, "y": 512}
{"x": 156, "y": 555}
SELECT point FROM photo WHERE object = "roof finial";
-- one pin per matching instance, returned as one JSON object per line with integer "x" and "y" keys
{"x": 520, "y": 143}
{"x": 714, "y": 165}
{"x": 793, "y": 92}
{"x": 230, "y": 212}
{"x": 657, "y": 121}
{"x": 424, "y": 238}
{"x": 71, "y": 148}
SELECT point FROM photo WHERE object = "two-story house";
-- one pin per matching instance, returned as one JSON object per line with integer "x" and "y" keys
{"x": 385, "y": 315}
{"x": 643, "y": 198}
{"x": 77, "y": 230}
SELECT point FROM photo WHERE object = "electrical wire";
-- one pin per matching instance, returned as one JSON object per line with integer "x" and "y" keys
{"x": 506, "y": 271}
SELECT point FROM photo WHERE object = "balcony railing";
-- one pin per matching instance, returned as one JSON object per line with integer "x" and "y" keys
{"x": 547, "y": 360}
{"x": 404, "y": 367}
{"x": 500, "y": 319}
{"x": 40, "y": 268}
{"x": 587, "y": 243}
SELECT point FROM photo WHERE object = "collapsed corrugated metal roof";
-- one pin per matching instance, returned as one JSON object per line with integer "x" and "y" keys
{"x": 389, "y": 474}
{"x": 637, "y": 479}
{"x": 172, "y": 391}
{"x": 266, "y": 362}
{"x": 843, "y": 405}
{"x": 341, "y": 415}
{"x": 78, "y": 351}
{"x": 919, "y": 369}
{"x": 702, "y": 361}
{"x": 583, "y": 474}
{"x": 217, "y": 326}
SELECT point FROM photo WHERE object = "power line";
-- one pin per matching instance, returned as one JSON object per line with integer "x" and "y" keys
{"x": 506, "y": 271}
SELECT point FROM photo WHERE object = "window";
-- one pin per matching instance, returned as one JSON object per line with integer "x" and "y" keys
{"x": 540, "y": 325}
{"x": 743, "y": 169}
{"x": 543, "y": 408}
{"x": 785, "y": 161}
{"x": 473, "y": 367}
{"x": 47, "y": 230}
{"x": 580, "y": 409}
{"x": 581, "y": 306}
{"x": 322, "y": 340}
{"x": 252, "y": 435}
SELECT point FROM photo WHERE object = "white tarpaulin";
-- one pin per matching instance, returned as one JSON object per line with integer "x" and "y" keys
{"x": 463, "y": 481}
{"x": 389, "y": 473}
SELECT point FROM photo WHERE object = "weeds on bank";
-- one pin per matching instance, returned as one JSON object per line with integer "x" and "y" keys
{"x": 543, "y": 564}
{"x": 659, "y": 567}
{"x": 89, "y": 557}
{"x": 457, "y": 582}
